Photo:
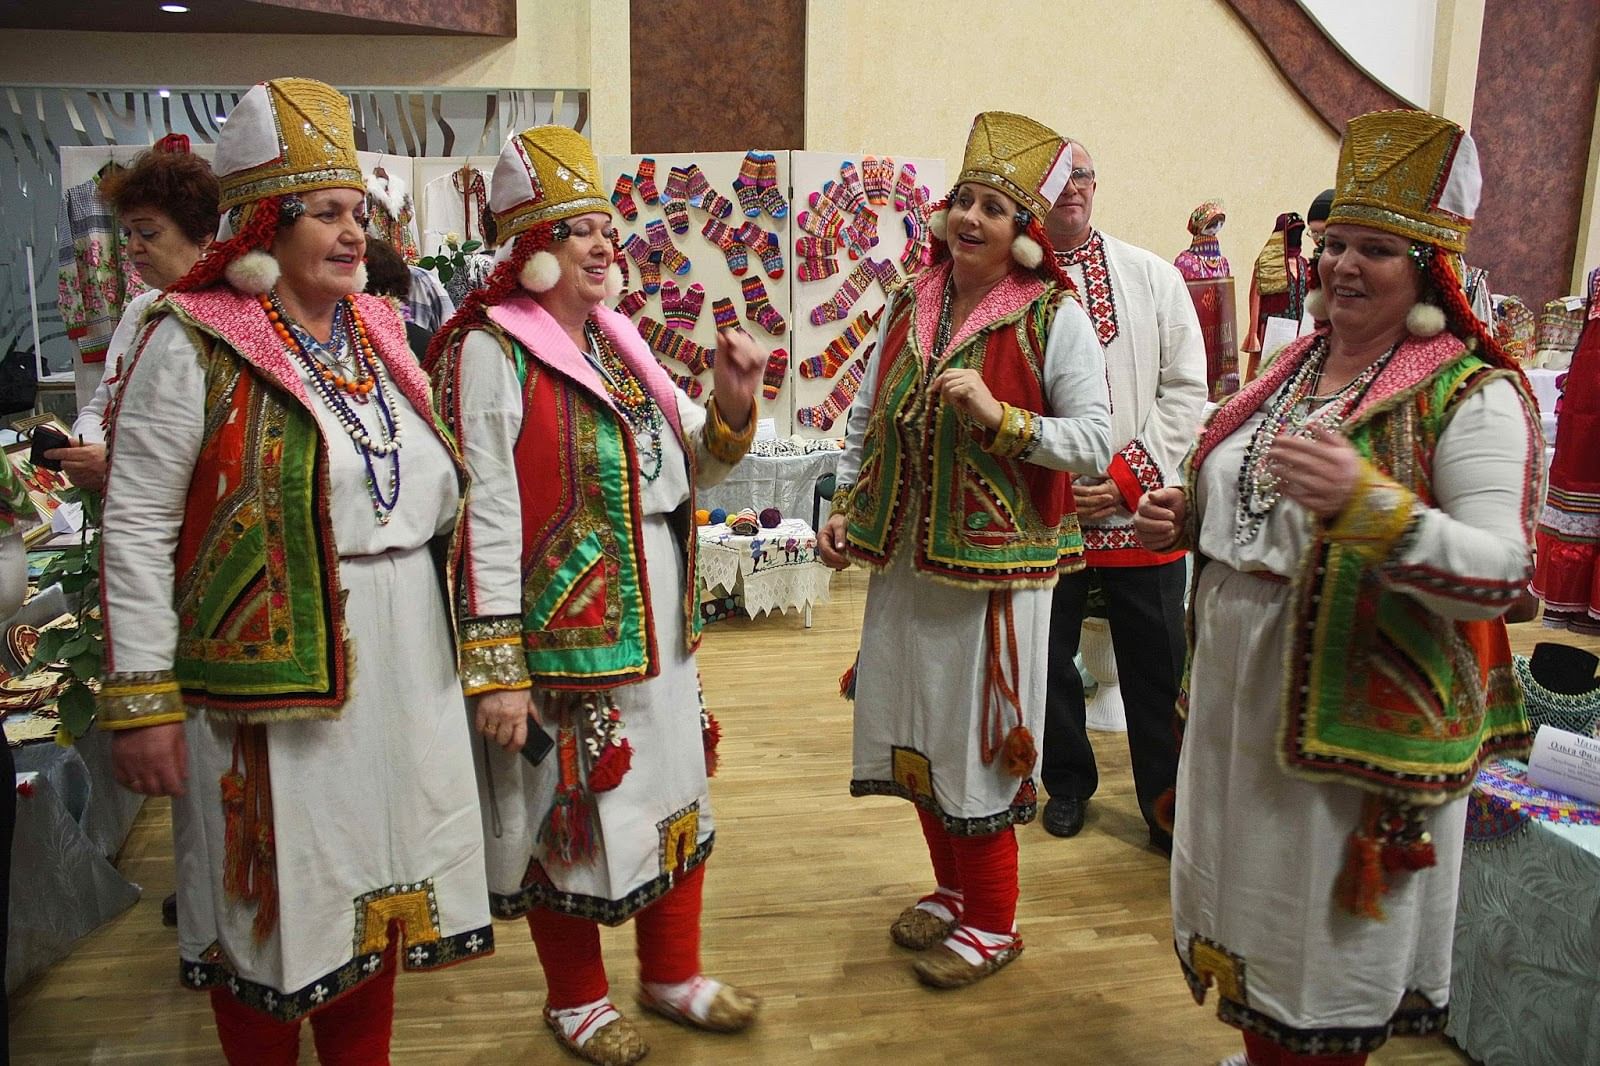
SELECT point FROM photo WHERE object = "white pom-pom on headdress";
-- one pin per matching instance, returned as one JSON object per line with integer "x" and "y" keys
{"x": 1026, "y": 251}
{"x": 1317, "y": 305}
{"x": 359, "y": 280}
{"x": 1425, "y": 320}
{"x": 613, "y": 281}
{"x": 541, "y": 272}
{"x": 937, "y": 223}
{"x": 253, "y": 273}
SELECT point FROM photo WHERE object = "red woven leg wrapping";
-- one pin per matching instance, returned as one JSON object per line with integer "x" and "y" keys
{"x": 988, "y": 867}
{"x": 250, "y": 1038}
{"x": 354, "y": 1030}
{"x": 668, "y": 932}
{"x": 946, "y": 871}
{"x": 569, "y": 953}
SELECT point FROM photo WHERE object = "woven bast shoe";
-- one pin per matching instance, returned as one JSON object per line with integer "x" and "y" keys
{"x": 918, "y": 928}
{"x": 616, "y": 1043}
{"x": 713, "y": 1006}
{"x": 943, "y": 967}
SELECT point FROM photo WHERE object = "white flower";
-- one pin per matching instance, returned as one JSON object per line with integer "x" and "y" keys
{"x": 319, "y": 994}
{"x": 474, "y": 942}
{"x": 453, "y": 239}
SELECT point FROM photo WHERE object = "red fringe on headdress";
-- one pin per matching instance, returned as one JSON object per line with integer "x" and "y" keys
{"x": 255, "y": 235}
{"x": 1458, "y": 313}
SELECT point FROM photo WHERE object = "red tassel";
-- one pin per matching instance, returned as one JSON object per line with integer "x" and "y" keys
{"x": 568, "y": 832}
{"x": 249, "y": 871}
{"x": 710, "y": 738}
{"x": 847, "y": 681}
{"x": 1361, "y": 883}
{"x": 1019, "y": 754}
{"x": 612, "y": 766}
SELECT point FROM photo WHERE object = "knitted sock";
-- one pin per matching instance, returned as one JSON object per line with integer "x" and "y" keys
{"x": 915, "y": 254}
{"x": 682, "y": 307}
{"x": 861, "y": 236}
{"x": 663, "y": 251}
{"x": 879, "y": 174}
{"x": 854, "y": 194}
{"x": 675, "y": 345}
{"x": 816, "y": 269}
{"x": 825, "y": 219}
{"x": 904, "y": 186}
{"x": 837, "y": 307}
{"x": 696, "y": 184}
{"x": 639, "y": 250}
{"x": 772, "y": 378}
{"x": 622, "y": 197}
{"x": 690, "y": 386}
{"x": 677, "y": 186}
{"x": 715, "y": 204}
{"x": 838, "y": 400}
{"x": 723, "y": 313}
{"x": 809, "y": 247}
{"x": 727, "y": 239}
{"x": 645, "y": 182}
{"x": 758, "y": 310}
{"x": 887, "y": 274}
{"x": 677, "y": 213}
{"x": 772, "y": 201}
{"x": 747, "y": 185}
{"x": 632, "y": 303}
{"x": 841, "y": 347}
{"x": 765, "y": 245}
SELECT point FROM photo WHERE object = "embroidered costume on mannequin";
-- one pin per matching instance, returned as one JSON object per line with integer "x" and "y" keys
{"x": 96, "y": 281}
{"x": 390, "y": 214}
{"x": 1210, "y": 283}
{"x": 1203, "y": 258}
{"x": 1278, "y": 283}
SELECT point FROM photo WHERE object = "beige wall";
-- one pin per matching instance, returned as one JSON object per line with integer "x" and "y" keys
{"x": 1176, "y": 102}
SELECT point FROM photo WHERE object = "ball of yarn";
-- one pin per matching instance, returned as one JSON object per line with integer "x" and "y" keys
{"x": 718, "y": 516}
{"x": 702, "y": 516}
{"x": 770, "y": 518}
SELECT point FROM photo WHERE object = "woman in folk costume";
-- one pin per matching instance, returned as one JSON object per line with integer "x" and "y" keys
{"x": 272, "y": 502}
{"x": 1567, "y": 578}
{"x": 579, "y": 605}
{"x": 1361, "y": 517}
{"x": 986, "y": 388}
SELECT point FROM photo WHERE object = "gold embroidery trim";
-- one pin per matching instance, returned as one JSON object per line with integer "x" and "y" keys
{"x": 492, "y": 658}
{"x": 1017, "y": 434}
{"x": 724, "y": 444}
{"x": 137, "y": 700}
{"x": 1376, "y": 516}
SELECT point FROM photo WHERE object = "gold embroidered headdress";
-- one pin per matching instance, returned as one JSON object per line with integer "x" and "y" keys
{"x": 288, "y": 135}
{"x": 1408, "y": 173}
{"x": 1024, "y": 159}
{"x": 545, "y": 174}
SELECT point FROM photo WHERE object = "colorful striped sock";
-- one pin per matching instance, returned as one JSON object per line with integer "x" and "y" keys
{"x": 765, "y": 245}
{"x": 638, "y": 249}
{"x": 723, "y": 313}
{"x": 663, "y": 251}
{"x": 622, "y": 197}
{"x": 681, "y": 307}
{"x": 861, "y": 236}
{"x": 675, "y": 345}
{"x": 841, "y": 347}
{"x": 747, "y": 186}
{"x": 632, "y": 303}
{"x": 816, "y": 269}
{"x": 677, "y": 213}
{"x": 825, "y": 219}
{"x": 879, "y": 178}
{"x": 715, "y": 204}
{"x": 645, "y": 182}
{"x": 916, "y": 252}
{"x": 696, "y": 184}
{"x": 904, "y": 186}
{"x": 677, "y": 186}
{"x": 727, "y": 239}
{"x": 772, "y": 377}
{"x": 673, "y": 197}
{"x": 809, "y": 247}
{"x": 772, "y": 201}
{"x": 853, "y": 193}
{"x": 758, "y": 309}
{"x": 690, "y": 386}
{"x": 823, "y": 415}
{"x": 837, "y": 307}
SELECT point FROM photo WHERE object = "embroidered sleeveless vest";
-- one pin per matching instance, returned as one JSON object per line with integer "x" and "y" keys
{"x": 978, "y": 519}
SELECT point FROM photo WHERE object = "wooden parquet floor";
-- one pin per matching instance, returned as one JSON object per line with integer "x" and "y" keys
{"x": 800, "y": 892}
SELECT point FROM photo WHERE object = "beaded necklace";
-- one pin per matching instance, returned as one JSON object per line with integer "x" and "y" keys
{"x": 349, "y": 349}
{"x": 639, "y": 411}
{"x": 1258, "y": 486}
{"x": 941, "y": 336}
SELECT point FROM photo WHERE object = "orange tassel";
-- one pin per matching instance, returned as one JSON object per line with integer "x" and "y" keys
{"x": 710, "y": 738}
{"x": 1019, "y": 754}
{"x": 1361, "y": 885}
{"x": 249, "y": 871}
{"x": 568, "y": 832}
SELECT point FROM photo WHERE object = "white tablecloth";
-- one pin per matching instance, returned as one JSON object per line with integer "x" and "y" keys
{"x": 774, "y": 570}
{"x": 787, "y": 482}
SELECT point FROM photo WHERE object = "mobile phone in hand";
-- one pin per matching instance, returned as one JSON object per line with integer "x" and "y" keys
{"x": 44, "y": 439}
{"x": 538, "y": 745}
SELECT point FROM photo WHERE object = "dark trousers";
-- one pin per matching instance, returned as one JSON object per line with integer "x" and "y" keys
{"x": 1144, "y": 605}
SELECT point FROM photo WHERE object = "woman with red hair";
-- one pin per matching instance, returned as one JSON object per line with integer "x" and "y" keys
{"x": 986, "y": 389}
{"x": 275, "y": 490}
{"x": 580, "y": 615}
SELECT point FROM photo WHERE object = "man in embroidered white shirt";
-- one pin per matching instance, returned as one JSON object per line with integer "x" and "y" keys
{"x": 1156, "y": 367}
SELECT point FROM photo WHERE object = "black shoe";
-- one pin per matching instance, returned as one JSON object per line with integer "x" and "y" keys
{"x": 1063, "y": 816}
{"x": 1161, "y": 840}
{"x": 169, "y": 910}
